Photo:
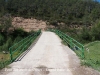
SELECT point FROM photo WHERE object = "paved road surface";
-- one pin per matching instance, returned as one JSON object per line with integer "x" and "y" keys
{"x": 48, "y": 57}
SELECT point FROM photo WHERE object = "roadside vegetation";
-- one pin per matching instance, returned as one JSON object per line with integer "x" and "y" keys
{"x": 92, "y": 55}
{"x": 84, "y": 35}
{"x": 8, "y": 37}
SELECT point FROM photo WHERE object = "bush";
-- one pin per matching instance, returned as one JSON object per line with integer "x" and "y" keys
{"x": 20, "y": 32}
{"x": 1, "y": 39}
{"x": 92, "y": 34}
{"x": 85, "y": 35}
{"x": 16, "y": 36}
{"x": 95, "y": 32}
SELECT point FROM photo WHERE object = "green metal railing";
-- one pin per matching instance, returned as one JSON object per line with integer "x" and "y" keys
{"x": 72, "y": 43}
{"x": 80, "y": 50}
{"x": 21, "y": 46}
{"x": 18, "y": 48}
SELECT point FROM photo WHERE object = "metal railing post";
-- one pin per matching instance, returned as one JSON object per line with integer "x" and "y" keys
{"x": 83, "y": 52}
{"x": 73, "y": 44}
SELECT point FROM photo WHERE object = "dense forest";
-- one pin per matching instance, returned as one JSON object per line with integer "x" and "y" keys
{"x": 69, "y": 12}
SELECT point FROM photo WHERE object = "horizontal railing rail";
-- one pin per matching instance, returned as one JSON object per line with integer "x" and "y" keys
{"x": 72, "y": 43}
{"x": 18, "y": 48}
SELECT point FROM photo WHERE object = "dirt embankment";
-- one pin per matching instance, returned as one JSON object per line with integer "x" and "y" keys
{"x": 29, "y": 24}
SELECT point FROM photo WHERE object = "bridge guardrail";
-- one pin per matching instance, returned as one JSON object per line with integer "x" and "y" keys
{"x": 72, "y": 43}
{"x": 21, "y": 46}
{"x": 18, "y": 48}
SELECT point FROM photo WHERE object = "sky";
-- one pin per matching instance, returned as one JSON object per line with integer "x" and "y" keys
{"x": 98, "y": 0}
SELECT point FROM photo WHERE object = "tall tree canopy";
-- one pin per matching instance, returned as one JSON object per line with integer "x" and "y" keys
{"x": 53, "y": 10}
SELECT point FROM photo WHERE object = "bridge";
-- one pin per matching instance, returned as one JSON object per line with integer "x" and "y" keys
{"x": 47, "y": 55}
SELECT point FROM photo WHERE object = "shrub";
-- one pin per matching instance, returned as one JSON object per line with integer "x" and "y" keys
{"x": 18, "y": 38}
{"x": 20, "y": 32}
{"x": 1, "y": 39}
{"x": 95, "y": 32}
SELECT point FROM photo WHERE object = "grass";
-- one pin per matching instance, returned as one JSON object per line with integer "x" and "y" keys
{"x": 92, "y": 54}
{"x": 4, "y": 60}
{"x": 4, "y": 57}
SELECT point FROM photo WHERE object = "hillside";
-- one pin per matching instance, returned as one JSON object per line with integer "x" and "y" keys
{"x": 77, "y": 18}
{"x": 85, "y": 12}
{"x": 28, "y": 24}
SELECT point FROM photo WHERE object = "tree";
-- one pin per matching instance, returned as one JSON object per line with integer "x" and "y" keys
{"x": 6, "y": 23}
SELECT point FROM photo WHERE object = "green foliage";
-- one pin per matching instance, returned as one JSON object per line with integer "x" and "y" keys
{"x": 89, "y": 34}
{"x": 95, "y": 32}
{"x": 19, "y": 32}
{"x": 92, "y": 55}
{"x": 63, "y": 10}
{"x": 5, "y": 25}
{"x": 85, "y": 34}
{"x": 16, "y": 36}
{"x": 6, "y": 45}
{"x": 1, "y": 39}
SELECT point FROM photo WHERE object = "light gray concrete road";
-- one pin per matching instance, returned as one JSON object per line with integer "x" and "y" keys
{"x": 48, "y": 57}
